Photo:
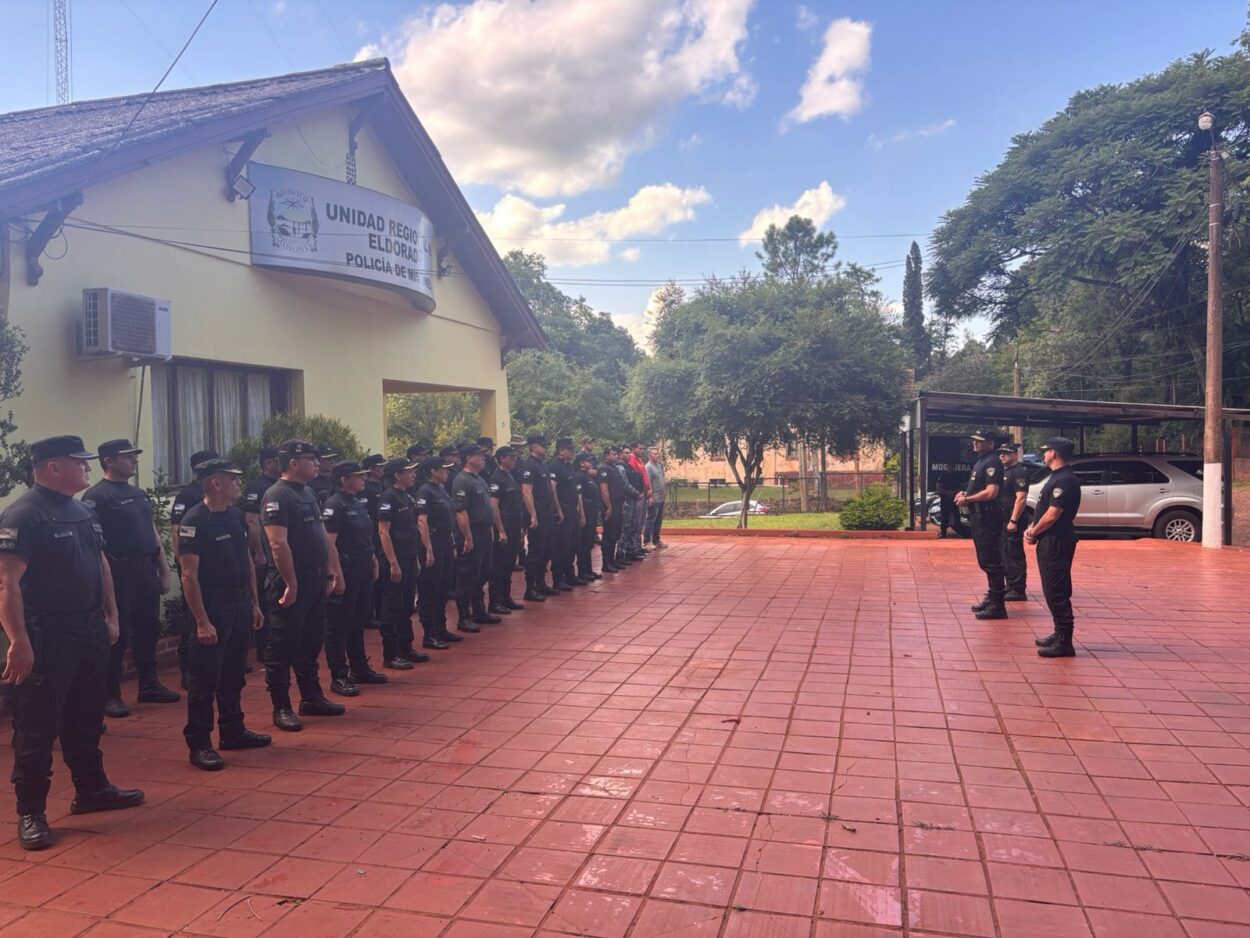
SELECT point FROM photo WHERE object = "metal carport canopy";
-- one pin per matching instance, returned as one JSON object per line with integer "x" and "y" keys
{"x": 931, "y": 407}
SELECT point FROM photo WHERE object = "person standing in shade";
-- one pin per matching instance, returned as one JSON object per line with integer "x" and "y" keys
{"x": 568, "y": 500}
{"x": 58, "y": 611}
{"x": 655, "y": 511}
{"x": 518, "y": 444}
{"x": 948, "y": 514}
{"x": 1014, "y": 510}
{"x": 487, "y": 446}
{"x": 612, "y": 495}
{"x": 350, "y": 532}
{"x": 1054, "y": 534}
{"x": 539, "y": 497}
{"x": 436, "y": 520}
{"x": 397, "y": 533}
{"x": 253, "y": 498}
{"x": 981, "y": 499}
{"x": 375, "y": 475}
{"x": 506, "y": 494}
{"x": 321, "y": 484}
{"x": 450, "y": 455}
{"x": 187, "y": 498}
{"x": 219, "y": 583}
{"x": 304, "y": 573}
{"x": 638, "y": 467}
{"x": 587, "y": 480}
{"x": 140, "y": 573}
{"x": 475, "y": 523}
{"x": 634, "y": 496}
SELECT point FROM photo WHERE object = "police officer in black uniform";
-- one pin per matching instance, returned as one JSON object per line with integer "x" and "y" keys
{"x": 187, "y": 498}
{"x": 375, "y": 484}
{"x": 140, "y": 573}
{"x": 322, "y": 485}
{"x": 305, "y": 571}
{"x": 450, "y": 455}
{"x": 397, "y": 533}
{"x": 475, "y": 522}
{"x": 505, "y": 491}
{"x": 1054, "y": 534}
{"x": 568, "y": 527}
{"x": 981, "y": 499}
{"x": 487, "y": 446}
{"x": 612, "y": 495}
{"x": 538, "y": 496}
{"x": 58, "y": 611}
{"x": 350, "y": 531}
{"x": 1014, "y": 509}
{"x": 436, "y": 520}
{"x": 588, "y": 487}
{"x": 518, "y": 444}
{"x": 253, "y": 497}
{"x": 219, "y": 583}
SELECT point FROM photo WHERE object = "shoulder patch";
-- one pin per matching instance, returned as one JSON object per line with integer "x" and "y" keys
{"x": 990, "y": 471}
{"x": 1056, "y": 492}
{"x": 186, "y": 530}
{"x": 420, "y": 502}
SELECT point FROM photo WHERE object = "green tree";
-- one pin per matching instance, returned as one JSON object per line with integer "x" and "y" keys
{"x": 915, "y": 330}
{"x": 575, "y": 385}
{"x": 798, "y": 252}
{"x": 1088, "y": 240}
{"x": 435, "y": 418}
{"x": 749, "y": 364}
{"x": 279, "y": 428}
{"x": 14, "y": 453}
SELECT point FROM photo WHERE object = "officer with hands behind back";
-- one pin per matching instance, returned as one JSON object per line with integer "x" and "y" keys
{"x": 1014, "y": 509}
{"x": 981, "y": 500}
{"x": 58, "y": 611}
{"x": 1054, "y": 534}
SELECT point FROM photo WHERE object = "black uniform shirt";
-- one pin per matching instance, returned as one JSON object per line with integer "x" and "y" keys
{"x": 566, "y": 486}
{"x": 634, "y": 477}
{"x": 987, "y": 471}
{"x": 610, "y": 474}
{"x": 397, "y": 507}
{"x": 219, "y": 539}
{"x": 588, "y": 484}
{"x": 187, "y": 498}
{"x": 60, "y": 539}
{"x": 491, "y": 466}
{"x": 433, "y": 501}
{"x": 254, "y": 494}
{"x": 292, "y": 505}
{"x": 126, "y": 516}
{"x": 470, "y": 493}
{"x": 504, "y": 486}
{"x": 1061, "y": 490}
{"x": 323, "y": 488}
{"x": 516, "y": 474}
{"x": 535, "y": 473}
{"x": 347, "y": 517}
{"x": 1015, "y": 480}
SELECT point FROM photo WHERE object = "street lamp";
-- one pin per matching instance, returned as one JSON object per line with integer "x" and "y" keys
{"x": 1213, "y": 432}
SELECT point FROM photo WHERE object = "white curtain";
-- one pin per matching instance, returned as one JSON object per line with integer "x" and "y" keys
{"x": 163, "y": 462}
{"x": 228, "y": 409}
{"x": 192, "y": 427}
{"x": 258, "y": 404}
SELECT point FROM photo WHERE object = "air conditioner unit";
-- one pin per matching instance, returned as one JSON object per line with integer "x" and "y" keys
{"x": 115, "y": 323}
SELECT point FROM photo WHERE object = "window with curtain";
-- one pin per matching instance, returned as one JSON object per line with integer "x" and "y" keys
{"x": 199, "y": 406}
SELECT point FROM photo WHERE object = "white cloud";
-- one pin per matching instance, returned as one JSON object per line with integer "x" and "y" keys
{"x": 690, "y": 143}
{"x": 550, "y": 97}
{"x": 835, "y": 83}
{"x": 819, "y": 204}
{"x": 876, "y": 143}
{"x": 805, "y": 18}
{"x": 518, "y": 223}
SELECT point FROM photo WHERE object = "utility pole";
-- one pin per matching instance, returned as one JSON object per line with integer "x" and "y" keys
{"x": 1213, "y": 431}
{"x": 60, "y": 32}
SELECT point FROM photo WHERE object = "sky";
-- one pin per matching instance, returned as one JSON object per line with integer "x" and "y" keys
{"x": 636, "y": 141}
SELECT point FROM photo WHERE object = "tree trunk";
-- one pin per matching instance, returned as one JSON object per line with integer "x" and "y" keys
{"x": 824, "y": 478}
{"x": 748, "y": 489}
{"x": 803, "y": 466}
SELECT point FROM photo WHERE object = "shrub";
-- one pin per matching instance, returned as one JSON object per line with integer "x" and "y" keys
{"x": 282, "y": 427}
{"x": 878, "y": 510}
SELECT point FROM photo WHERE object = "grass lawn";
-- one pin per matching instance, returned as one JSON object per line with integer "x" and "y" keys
{"x": 809, "y": 521}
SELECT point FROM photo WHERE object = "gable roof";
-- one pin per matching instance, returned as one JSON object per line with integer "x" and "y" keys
{"x": 48, "y": 153}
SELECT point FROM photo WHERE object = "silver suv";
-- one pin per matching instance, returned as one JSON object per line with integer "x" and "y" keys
{"x": 1158, "y": 494}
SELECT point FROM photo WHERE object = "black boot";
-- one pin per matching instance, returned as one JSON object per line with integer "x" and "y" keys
{"x": 367, "y": 676}
{"x": 245, "y": 739}
{"x": 499, "y": 609}
{"x": 1046, "y": 640}
{"x": 993, "y": 609}
{"x": 207, "y": 759}
{"x": 33, "y": 832}
{"x": 319, "y": 706}
{"x": 466, "y": 624}
{"x": 513, "y": 604}
{"x": 533, "y": 596}
{"x": 1061, "y": 647}
{"x": 1016, "y": 596}
{"x": 152, "y": 690}
{"x": 985, "y": 601}
{"x": 108, "y": 798}
{"x": 116, "y": 708}
{"x": 344, "y": 687}
{"x": 284, "y": 718}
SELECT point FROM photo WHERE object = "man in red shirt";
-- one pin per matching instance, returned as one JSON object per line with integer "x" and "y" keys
{"x": 638, "y": 461}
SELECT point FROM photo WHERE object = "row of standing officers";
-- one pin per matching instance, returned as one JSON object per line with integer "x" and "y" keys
{"x": 318, "y": 549}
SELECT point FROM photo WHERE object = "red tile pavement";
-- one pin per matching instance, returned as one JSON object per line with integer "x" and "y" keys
{"x": 738, "y": 737}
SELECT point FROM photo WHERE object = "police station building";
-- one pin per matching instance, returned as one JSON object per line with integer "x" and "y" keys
{"x": 185, "y": 264}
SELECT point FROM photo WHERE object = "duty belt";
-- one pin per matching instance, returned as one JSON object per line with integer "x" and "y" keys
{"x": 227, "y": 592}
{"x": 65, "y": 618}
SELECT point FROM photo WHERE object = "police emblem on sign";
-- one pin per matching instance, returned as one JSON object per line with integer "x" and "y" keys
{"x": 293, "y": 221}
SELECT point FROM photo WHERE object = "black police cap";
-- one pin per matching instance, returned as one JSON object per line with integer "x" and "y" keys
{"x": 449, "y": 451}
{"x": 417, "y": 450}
{"x": 374, "y": 459}
{"x": 485, "y": 442}
{"x": 399, "y": 465}
{"x": 986, "y": 434}
{"x": 564, "y": 442}
{"x": 536, "y": 439}
{"x": 202, "y": 456}
{"x": 469, "y": 450}
{"x": 1008, "y": 447}
{"x": 347, "y": 468}
{"x": 1060, "y": 444}
{"x": 432, "y": 464}
{"x": 583, "y": 457}
{"x": 117, "y": 448}
{"x": 266, "y": 453}
{"x": 54, "y": 446}
{"x": 505, "y": 451}
{"x": 326, "y": 452}
{"x": 213, "y": 466}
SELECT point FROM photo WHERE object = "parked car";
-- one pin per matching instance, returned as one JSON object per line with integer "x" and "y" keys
{"x": 1157, "y": 494}
{"x": 733, "y": 509}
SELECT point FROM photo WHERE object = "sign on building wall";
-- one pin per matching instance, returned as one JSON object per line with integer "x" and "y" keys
{"x": 304, "y": 222}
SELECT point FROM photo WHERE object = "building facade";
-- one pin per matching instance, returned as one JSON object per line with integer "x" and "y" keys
{"x": 312, "y": 249}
